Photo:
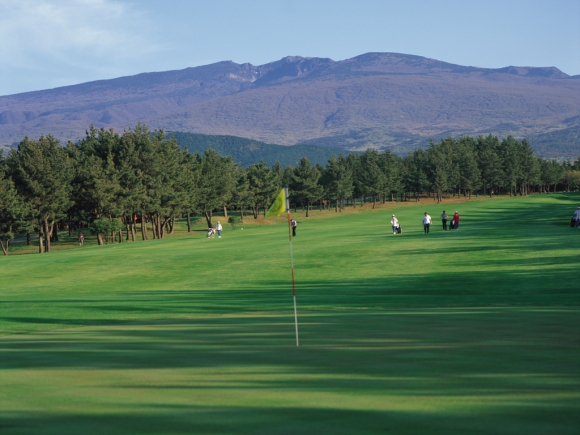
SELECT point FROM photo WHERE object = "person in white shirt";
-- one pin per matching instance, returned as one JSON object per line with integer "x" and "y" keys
{"x": 577, "y": 217}
{"x": 426, "y": 223}
{"x": 394, "y": 224}
{"x": 219, "y": 229}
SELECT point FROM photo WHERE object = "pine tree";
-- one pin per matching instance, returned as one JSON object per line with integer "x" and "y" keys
{"x": 304, "y": 186}
{"x": 440, "y": 166}
{"x": 14, "y": 213}
{"x": 373, "y": 177}
{"x": 469, "y": 172}
{"x": 215, "y": 183}
{"x": 337, "y": 180}
{"x": 264, "y": 185}
{"x": 512, "y": 167}
{"x": 531, "y": 171}
{"x": 42, "y": 173}
{"x": 489, "y": 163}
{"x": 393, "y": 169}
{"x": 416, "y": 180}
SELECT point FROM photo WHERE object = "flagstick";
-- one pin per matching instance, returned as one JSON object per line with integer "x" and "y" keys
{"x": 292, "y": 264}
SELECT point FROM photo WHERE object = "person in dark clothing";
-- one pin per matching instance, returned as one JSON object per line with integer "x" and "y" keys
{"x": 444, "y": 220}
{"x": 293, "y": 224}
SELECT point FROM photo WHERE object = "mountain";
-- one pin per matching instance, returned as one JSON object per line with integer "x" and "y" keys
{"x": 377, "y": 100}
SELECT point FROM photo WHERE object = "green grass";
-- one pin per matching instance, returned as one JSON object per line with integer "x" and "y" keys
{"x": 472, "y": 331}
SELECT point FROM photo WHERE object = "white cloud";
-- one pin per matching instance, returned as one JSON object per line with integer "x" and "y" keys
{"x": 82, "y": 34}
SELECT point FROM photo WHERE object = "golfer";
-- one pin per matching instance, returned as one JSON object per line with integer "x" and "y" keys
{"x": 219, "y": 229}
{"x": 426, "y": 223}
{"x": 444, "y": 220}
{"x": 394, "y": 224}
{"x": 577, "y": 217}
{"x": 456, "y": 221}
{"x": 293, "y": 224}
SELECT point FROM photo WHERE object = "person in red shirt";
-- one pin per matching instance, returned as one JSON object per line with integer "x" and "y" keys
{"x": 456, "y": 221}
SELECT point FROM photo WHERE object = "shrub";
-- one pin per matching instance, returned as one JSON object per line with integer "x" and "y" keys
{"x": 233, "y": 220}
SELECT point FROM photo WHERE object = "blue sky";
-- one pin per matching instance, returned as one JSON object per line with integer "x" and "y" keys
{"x": 50, "y": 43}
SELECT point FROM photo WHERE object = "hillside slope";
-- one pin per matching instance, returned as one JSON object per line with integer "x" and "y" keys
{"x": 248, "y": 151}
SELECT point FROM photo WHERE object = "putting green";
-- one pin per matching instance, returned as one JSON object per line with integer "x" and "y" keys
{"x": 468, "y": 331}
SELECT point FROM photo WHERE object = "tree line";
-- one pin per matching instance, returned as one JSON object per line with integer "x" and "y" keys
{"x": 130, "y": 185}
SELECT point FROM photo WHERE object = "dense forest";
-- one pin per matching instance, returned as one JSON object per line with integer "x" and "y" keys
{"x": 117, "y": 184}
{"x": 247, "y": 151}
{"x": 558, "y": 143}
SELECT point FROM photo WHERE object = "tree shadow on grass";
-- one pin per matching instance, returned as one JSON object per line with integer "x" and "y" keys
{"x": 417, "y": 372}
{"x": 272, "y": 420}
{"x": 348, "y": 340}
{"x": 541, "y": 282}
{"x": 362, "y": 368}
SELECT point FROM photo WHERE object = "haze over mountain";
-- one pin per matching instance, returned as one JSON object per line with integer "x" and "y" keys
{"x": 376, "y": 100}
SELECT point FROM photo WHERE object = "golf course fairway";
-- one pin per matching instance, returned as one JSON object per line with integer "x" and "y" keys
{"x": 475, "y": 331}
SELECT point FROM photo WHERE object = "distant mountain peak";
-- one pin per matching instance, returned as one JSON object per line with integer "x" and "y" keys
{"x": 291, "y": 67}
{"x": 531, "y": 71}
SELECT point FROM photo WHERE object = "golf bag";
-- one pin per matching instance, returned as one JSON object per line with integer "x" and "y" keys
{"x": 573, "y": 223}
{"x": 210, "y": 233}
{"x": 399, "y": 230}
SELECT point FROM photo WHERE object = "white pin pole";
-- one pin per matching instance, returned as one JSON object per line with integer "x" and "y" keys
{"x": 292, "y": 264}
